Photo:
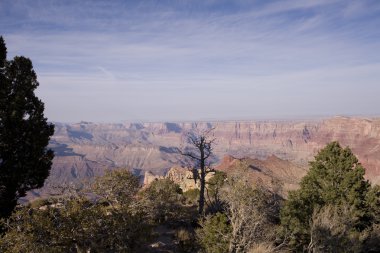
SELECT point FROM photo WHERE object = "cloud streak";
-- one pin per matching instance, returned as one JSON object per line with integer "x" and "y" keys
{"x": 160, "y": 60}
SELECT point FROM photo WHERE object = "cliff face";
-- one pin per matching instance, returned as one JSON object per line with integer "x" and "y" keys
{"x": 84, "y": 150}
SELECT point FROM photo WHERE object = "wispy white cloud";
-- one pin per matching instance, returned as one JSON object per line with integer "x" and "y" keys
{"x": 155, "y": 58}
{"x": 276, "y": 7}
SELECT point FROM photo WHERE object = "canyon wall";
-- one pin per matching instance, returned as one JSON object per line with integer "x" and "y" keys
{"x": 84, "y": 150}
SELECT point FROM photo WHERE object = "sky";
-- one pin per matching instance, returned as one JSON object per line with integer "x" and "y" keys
{"x": 181, "y": 60}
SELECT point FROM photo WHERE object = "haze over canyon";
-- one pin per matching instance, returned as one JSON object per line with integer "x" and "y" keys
{"x": 84, "y": 150}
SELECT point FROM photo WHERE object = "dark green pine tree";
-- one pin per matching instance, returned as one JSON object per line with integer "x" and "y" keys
{"x": 25, "y": 160}
{"x": 335, "y": 178}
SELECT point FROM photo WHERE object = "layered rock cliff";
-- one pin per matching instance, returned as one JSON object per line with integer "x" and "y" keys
{"x": 84, "y": 150}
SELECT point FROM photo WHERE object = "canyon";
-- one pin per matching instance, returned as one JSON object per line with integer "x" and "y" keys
{"x": 85, "y": 150}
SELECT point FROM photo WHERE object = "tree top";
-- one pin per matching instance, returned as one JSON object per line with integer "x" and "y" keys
{"x": 3, "y": 52}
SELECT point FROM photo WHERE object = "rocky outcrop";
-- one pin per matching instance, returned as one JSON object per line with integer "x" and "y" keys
{"x": 185, "y": 179}
{"x": 149, "y": 177}
{"x": 273, "y": 172}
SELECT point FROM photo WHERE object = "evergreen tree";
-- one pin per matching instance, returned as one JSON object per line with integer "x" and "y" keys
{"x": 335, "y": 178}
{"x": 3, "y": 54}
{"x": 25, "y": 160}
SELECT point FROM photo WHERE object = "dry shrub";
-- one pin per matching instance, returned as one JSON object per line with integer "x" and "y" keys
{"x": 333, "y": 228}
{"x": 262, "y": 248}
{"x": 252, "y": 211}
{"x": 186, "y": 240}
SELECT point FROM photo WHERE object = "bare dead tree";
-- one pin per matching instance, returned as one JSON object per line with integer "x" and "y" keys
{"x": 199, "y": 149}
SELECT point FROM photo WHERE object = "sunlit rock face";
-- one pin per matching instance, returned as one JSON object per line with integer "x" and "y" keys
{"x": 85, "y": 150}
{"x": 185, "y": 178}
{"x": 149, "y": 178}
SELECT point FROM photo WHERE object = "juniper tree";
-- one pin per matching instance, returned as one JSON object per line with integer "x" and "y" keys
{"x": 25, "y": 160}
{"x": 335, "y": 178}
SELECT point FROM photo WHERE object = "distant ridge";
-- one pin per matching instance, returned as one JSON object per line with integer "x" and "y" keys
{"x": 84, "y": 150}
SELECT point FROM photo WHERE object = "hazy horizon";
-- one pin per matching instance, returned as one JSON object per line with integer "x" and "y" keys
{"x": 181, "y": 60}
{"x": 269, "y": 119}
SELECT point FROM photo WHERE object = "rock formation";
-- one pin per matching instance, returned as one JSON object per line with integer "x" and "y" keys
{"x": 149, "y": 177}
{"x": 184, "y": 178}
{"x": 84, "y": 150}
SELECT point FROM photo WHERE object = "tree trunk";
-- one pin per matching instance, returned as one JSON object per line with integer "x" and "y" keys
{"x": 203, "y": 183}
{"x": 202, "y": 193}
{"x": 8, "y": 202}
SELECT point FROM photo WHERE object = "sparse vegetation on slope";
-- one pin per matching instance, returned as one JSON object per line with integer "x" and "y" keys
{"x": 335, "y": 210}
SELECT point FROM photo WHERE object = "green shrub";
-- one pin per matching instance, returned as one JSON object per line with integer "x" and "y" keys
{"x": 214, "y": 234}
{"x": 162, "y": 201}
{"x": 214, "y": 201}
{"x": 117, "y": 187}
{"x": 335, "y": 178}
{"x": 191, "y": 196}
{"x": 73, "y": 223}
{"x": 76, "y": 225}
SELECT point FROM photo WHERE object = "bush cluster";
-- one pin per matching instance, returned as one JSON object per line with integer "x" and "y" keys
{"x": 334, "y": 210}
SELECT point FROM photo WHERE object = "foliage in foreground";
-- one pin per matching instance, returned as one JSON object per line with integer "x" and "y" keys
{"x": 191, "y": 196}
{"x": 75, "y": 226}
{"x": 162, "y": 200}
{"x": 335, "y": 210}
{"x": 25, "y": 160}
{"x": 334, "y": 182}
{"x": 214, "y": 235}
{"x": 78, "y": 224}
{"x": 250, "y": 216}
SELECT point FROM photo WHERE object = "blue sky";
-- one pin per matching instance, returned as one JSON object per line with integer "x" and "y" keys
{"x": 167, "y": 60}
